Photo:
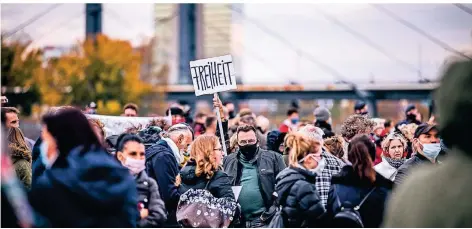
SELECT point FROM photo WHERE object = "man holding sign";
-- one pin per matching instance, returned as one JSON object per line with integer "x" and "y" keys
{"x": 210, "y": 76}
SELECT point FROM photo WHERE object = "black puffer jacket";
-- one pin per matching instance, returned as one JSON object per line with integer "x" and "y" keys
{"x": 149, "y": 197}
{"x": 297, "y": 194}
{"x": 348, "y": 187}
{"x": 219, "y": 185}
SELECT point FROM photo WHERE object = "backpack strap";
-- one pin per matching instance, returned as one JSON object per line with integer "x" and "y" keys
{"x": 363, "y": 200}
{"x": 360, "y": 204}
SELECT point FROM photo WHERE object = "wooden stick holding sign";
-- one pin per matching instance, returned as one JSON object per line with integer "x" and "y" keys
{"x": 213, "y": 75}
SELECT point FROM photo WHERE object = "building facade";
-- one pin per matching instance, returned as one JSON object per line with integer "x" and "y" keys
{"x": 185, "y": 32}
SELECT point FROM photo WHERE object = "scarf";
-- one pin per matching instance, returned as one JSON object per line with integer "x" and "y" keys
{"x": 175, "y": 150}
{"x": 395, "y": 163}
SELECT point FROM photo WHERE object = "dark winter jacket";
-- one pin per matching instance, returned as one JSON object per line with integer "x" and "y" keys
{"x": 149, "y": 197}
{"x": 37, "y": 165}
{"x": 326, "y": 127}
{"x": 21, "y": 160}
{"x": 274, "y": 139}
{"x": 269, "y": 165}
{"x": 219, "y": 185}
{"x": 404, "y": 170}
{"x": 86, "y": 189}
{"x": 439, "y": 196}
{"x": 348, "y": 187}
{"x": 301, "y": 204}
{"x": 162, "y": 166}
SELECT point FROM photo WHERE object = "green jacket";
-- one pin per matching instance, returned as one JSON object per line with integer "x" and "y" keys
{"x": 440, "y": 196}
{"x": 21, "y": 159}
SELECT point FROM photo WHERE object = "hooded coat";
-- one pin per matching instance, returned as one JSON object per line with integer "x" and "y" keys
{"x": 162, "y": 166}
{"x": 21, "y": 160}
{"x": 439, "y": 196}
{"x": 148, "y": 196}
{"x": 301, "y": 204}
{"x": 86, "y": 189}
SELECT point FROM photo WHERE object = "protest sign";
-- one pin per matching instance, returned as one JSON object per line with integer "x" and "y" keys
{"x": 115, "y": 125}
{"x": 213, "y": 75}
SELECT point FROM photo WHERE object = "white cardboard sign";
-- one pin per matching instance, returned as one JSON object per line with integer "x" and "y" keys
{"x": 213, "y": 75}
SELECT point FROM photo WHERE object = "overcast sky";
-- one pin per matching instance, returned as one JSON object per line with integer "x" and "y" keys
{"x": 300, "y": 24}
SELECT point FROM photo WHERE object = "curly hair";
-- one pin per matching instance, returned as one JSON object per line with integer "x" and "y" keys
{"x": 335, "y": 145}
{"x": 202, "y": 151}
{"x": 408, "y": 130}
{"x": 355, "y": 124}
{"x": 159, "y": 122}
{"x": 386, "y": 142}
{"x": 133, "y": 129}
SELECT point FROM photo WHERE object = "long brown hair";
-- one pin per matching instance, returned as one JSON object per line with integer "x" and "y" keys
{"x": 202, "y": 151}
{"x": 299, "y": 146}
{"x": 360, "y": 157}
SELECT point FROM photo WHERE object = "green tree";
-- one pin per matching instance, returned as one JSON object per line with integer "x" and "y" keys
{"x": 19, "y": 67}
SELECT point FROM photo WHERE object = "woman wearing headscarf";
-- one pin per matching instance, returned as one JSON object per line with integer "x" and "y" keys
{"x": 393, "y": 147}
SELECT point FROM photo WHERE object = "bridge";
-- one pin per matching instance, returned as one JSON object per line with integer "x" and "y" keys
{"x": 368, "y": 92}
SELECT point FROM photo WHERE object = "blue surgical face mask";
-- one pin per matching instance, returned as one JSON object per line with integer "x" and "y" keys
{"x": 294, "y": 120}
{"x": 431, "y": 150}
{"x": 43, "y": 149}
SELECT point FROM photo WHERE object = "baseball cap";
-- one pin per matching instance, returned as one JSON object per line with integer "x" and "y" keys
{"x": 359, "y": 105}
{"x": 424, "y": 129}
{"x": 409, "y": 108}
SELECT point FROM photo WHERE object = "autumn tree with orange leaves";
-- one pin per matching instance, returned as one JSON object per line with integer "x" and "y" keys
{"x": 106, "y": 71}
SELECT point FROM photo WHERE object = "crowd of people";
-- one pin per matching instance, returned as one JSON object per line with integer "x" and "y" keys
{"x": 182, "y": 173}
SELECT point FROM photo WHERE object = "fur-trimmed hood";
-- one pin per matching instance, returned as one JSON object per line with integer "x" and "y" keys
{"x": 19, "y": 152}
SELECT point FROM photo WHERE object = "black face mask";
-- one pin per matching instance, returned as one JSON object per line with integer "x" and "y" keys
{"x": 231, "y": 115}
{"x": 248, "y": 150}
{"x": 364, "y": 113}
{"x": 411, "y": 117}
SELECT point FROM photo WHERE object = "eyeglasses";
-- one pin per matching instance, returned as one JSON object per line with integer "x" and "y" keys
{"x": 246, "y": 142}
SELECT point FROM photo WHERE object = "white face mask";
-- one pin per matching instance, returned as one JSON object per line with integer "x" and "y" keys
{"x": 321, "y": 165}
{"x": 431, "y": 150}
{"x": 43, "y": 149}
{"x": 134, "y": 165}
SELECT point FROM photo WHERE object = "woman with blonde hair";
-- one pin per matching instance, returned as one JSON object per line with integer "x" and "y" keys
{"x": 393, "y": 151}
{"x": 296, "y": 190}
{"x": 203, "y": 170}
